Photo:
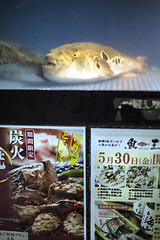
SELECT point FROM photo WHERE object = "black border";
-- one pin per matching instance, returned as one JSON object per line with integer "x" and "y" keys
{"x": 71, "y": 108}
{"x": 68, "y": 108}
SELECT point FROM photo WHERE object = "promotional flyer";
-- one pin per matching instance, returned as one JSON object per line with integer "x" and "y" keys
{"x": 43, "y": 183}
{"x": 125, "y": 184}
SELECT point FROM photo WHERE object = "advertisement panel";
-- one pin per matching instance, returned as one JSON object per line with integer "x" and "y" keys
{"x": 125, "y": 184}
{"x": 42, "y": 183}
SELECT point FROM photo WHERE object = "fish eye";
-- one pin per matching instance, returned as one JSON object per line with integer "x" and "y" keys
{"x": 104, "y": 55}
{"x": 98, "y": 65}
{"x": 74, "y": 55}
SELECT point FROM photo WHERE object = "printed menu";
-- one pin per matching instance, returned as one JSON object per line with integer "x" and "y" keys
{"x": 42, "y": 183}
{"x": 125, "y": 184}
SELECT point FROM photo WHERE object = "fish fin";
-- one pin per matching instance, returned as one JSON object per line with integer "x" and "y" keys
{"x": 102, "y": 67}
{"x": 39, "y": 72}
{"x": 155, "y": 69}
{"x": 143, "y": 66}
{"x": 128, "y": 75}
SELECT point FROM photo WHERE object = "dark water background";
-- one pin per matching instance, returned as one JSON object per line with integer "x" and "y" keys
{"x": 130, "y": 26}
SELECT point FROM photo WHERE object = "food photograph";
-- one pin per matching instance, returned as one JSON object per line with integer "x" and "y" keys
{"x": 141, "y": 177}
{"x": 47, "y": 194}
{"x": 110, "y": 176}
{"x": 119, "y": 220}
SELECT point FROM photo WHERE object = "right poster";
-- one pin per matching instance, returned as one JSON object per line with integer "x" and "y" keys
{"x": 125, "y": 184}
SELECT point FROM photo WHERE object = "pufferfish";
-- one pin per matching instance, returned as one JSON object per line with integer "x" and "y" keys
{"x": 86, "y": 61}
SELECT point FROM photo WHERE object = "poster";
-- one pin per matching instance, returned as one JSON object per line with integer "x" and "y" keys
{"x": 42, "y": 183}
{"x": 125, "y": 184}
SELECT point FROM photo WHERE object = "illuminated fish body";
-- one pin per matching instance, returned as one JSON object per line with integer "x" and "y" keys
{"x": 88, "y": 61}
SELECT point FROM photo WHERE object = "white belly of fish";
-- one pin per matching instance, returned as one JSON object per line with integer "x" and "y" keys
{"x": 73, "y": 73}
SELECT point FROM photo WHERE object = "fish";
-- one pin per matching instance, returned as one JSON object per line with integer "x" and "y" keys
{"x": 87, "y": 61}
{"x": 142, "y": 144}
{"x": 20, "y": 63}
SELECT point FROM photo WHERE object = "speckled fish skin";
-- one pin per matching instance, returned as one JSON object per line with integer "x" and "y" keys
{"x": 87, "y": 61}
{"x": 16, "y": 59}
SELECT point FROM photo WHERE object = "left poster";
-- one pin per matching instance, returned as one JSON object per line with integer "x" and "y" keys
{"x": 42, "y": 183}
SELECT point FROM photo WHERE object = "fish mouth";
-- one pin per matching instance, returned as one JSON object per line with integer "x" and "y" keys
{"x": 51, "y": 71}
{"x": 49, "y": 68}
{"x": 50, "y": 65}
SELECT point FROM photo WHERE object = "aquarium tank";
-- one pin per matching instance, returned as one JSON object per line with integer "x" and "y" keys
{"x": 105, "y": 45}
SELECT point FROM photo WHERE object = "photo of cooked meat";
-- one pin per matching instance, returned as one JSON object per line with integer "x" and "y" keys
{"x": 74, "y": 224}
{"x": 35, "y": 176}
{"x": 25, "y": 196}
{"x": 61, "y": 190}
{"x": 62, "y": 207}
{"x": 45, "y": 196}
{"x": 39, "y": 178}
{"x": 45, "y": 223}
{"x": 24, "y": 214}
{"x": 141, "y": 177}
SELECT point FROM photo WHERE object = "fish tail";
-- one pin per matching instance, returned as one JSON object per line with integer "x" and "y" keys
{"x": 143, "y": 66}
